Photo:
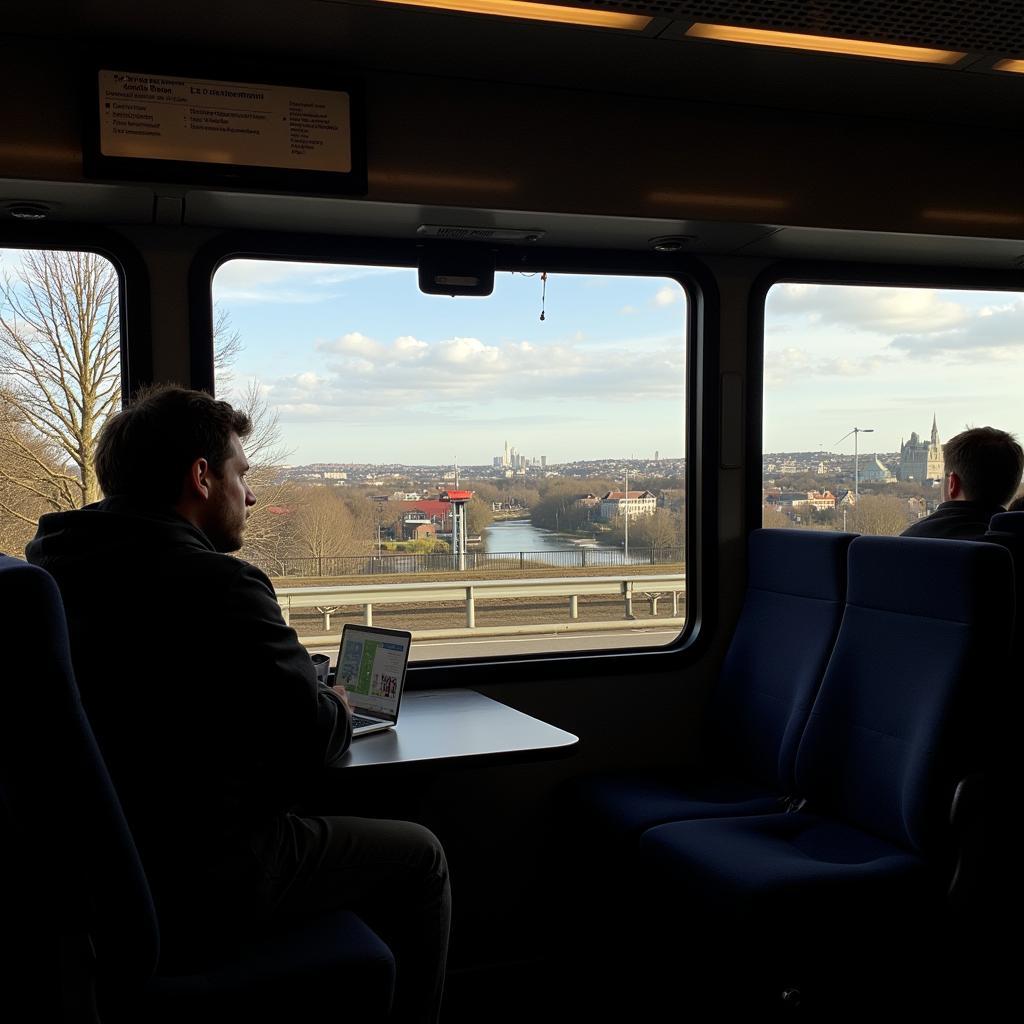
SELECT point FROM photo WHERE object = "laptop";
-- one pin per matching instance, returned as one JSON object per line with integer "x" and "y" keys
{"x": 371, "y": 666}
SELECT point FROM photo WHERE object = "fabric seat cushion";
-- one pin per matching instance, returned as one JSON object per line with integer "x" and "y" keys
{"x": 623, "y": 807}
{"x": 800, "y": 868}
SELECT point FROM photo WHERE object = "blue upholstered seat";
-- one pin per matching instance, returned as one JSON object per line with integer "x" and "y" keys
{"x": 897, "y": 723}
{"x": 781, "y": 644}
{"x": 1008, "y": 522}
{"x": 1007, "y": 530}
{"x": 83, "y": 903}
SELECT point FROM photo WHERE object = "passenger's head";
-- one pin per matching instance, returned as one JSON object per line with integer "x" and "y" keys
{"x": 1017, "y": 505}
{"x": 180, "y": 449}
{"x": 982, "y": 464}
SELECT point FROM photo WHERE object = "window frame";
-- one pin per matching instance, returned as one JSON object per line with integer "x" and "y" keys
{"x": 879, "y": 275}
{"x": 700, "y": 394}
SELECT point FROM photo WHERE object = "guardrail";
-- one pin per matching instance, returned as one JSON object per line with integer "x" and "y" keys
{"x": 398, "y": 562}
{"x": 329, "y": 600}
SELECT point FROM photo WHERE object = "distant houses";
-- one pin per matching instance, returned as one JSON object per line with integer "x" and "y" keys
{"x": 821, "y": 501}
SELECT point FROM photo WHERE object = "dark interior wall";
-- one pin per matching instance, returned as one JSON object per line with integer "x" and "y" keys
{"x": 493, "y": 145}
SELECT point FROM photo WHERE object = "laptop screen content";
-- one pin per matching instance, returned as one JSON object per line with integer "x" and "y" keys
{"x": 371, "y": 667}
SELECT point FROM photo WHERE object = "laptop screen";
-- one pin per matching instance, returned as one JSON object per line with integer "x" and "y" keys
{"x": 371, "y": 667}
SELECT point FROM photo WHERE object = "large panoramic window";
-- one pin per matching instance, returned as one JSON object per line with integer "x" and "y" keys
{"x": 60, "y": 378}
{"x": 496, "y": 480}
{"x": 864, "y": 385}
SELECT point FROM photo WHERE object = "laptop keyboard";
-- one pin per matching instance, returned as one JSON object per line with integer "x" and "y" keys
{"x": 359, "y": 720}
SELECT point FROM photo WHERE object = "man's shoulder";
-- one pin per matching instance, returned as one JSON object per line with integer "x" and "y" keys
{"x": 953, "y": 520}
{"x": 223, "y": 569}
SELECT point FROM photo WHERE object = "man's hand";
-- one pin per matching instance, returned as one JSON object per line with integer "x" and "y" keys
{"x": 343, "y": 694}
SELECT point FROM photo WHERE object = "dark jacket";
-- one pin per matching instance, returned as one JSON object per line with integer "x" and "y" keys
{"x": 955, "y": 520}
{"x": 206, "y": 707}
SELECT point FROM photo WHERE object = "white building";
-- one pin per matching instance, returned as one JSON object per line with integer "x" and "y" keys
{"x": 874, "y": 471}
{"x": 633, "y": 504}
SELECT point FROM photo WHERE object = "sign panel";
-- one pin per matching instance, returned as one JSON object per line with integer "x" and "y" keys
{"x": 173, "y": 126}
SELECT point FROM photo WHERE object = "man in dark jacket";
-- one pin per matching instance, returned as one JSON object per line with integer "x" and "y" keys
{"x": 983, "y": 469}
{"x": 208, "y": 710}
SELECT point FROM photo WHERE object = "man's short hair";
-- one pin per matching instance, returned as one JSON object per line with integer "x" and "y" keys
{"x": 146, "y": 450}
{"x": 989, "y": 463}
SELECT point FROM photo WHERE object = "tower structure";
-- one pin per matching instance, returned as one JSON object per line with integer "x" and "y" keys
{"x": 920, "y": 460}
{"x": 936, "y": 461}
{"x": 459, "y": 500}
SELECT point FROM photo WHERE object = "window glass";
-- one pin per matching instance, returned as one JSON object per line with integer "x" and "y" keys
{"x": 377, "y": 406}
{"x": 60, "y": 378}
{"x": 864, "y": 385}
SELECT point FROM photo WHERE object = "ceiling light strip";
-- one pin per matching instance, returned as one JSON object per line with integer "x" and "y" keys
{"x": 535, "y": 12}
{"x": 822, "y": 44}
{"x": 1017, "y": 66}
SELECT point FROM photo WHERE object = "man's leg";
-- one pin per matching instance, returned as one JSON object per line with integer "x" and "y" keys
{"x": 394, "y": 875}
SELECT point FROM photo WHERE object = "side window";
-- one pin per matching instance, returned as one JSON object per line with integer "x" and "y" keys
{"x": 864, "y": 385}
{"x": 498, "y": 481}
{"x": 60, "y": 378}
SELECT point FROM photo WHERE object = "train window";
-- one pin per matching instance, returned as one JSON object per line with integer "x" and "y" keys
{"x": 863, "y": 385}
{"x": 503, "y": 475}
{"x": 60, "y": 378}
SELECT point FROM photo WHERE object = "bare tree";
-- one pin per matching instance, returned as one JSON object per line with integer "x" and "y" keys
{"x": 60, "y": 358}
{"x": 227, "y": 343}
{"x": 60, "y": 380}
{"x": 661, "y": 529}
{"x": 878, "y": 514}
{"x": 774, "y": 519}
{"x": 324, "y": 524}
{"x": 23, "y": 498}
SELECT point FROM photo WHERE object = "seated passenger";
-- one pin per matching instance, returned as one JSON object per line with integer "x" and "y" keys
{"x": 982, "y": 473}
{"x": 208, "y": 710}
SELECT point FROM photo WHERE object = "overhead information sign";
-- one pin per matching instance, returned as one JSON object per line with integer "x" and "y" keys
{"x": 242, "y": 132}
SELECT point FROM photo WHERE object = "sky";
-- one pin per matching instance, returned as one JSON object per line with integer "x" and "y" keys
{"x": 363, "y": 367}
{"x": 839, "y": 357}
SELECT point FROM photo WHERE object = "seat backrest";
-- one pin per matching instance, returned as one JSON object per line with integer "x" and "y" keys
{"x": 796, "y": 586}
{"x": 899, "y": 718}
{"x": 86, "y": 877}
{"x": 1008, "y": 522}
{"x": 1007, "y": 530}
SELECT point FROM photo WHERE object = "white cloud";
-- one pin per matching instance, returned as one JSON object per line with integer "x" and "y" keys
{"x": 241, "y": 281}
{"x": 878, "y": 310}
{"x": 790, "y": 363}
{"x": 354, "y": 343}
{"x": 668, "y": 295}
{"x": 365, "y": 374}
{"x": 412, "y": 347}
{"x": 469, "y": 352}
{"x": 997, "y": 332}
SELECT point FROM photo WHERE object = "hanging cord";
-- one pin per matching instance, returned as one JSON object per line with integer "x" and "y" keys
{"x": 543, "y": 292}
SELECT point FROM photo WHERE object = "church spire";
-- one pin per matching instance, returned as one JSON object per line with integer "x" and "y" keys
{"x": 935, "y": 430}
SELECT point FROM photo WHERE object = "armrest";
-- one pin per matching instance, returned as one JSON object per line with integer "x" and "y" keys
{"x": 967, "y": 818}
{"x": 968, "y": 804}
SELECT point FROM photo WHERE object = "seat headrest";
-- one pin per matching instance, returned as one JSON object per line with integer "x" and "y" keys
{"x": 1008, "y": 522}
{"x": 956, "y": 580}
{"x": 805, "y": 563}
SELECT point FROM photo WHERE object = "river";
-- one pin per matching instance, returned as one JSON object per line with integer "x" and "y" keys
{"x": 514, "y": 535}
